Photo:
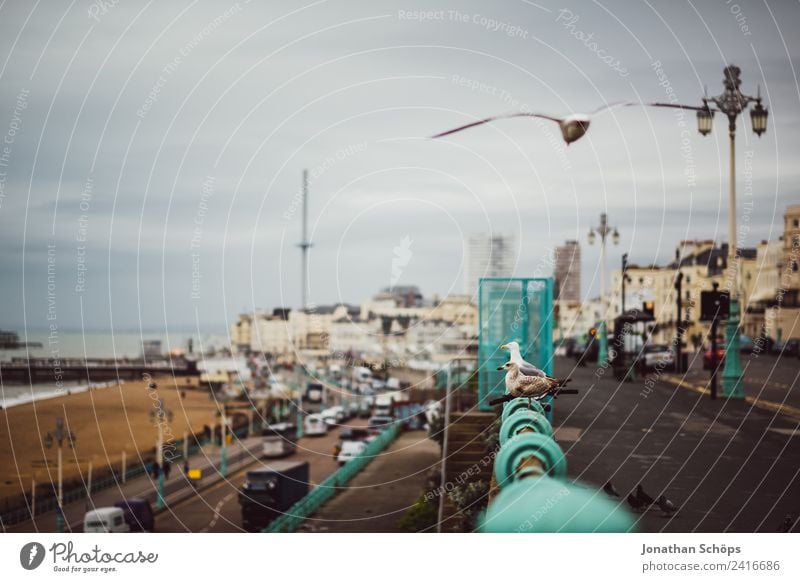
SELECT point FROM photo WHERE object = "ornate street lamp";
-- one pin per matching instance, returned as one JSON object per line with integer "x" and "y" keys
{"x": 604, "y": 230}
{"x": 731, "y": 103}
{"x": 705, "y": 119}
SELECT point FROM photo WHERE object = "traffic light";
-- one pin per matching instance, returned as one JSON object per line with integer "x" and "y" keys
{"x": 593, "y": 332}
{"x": 649, "y": 307}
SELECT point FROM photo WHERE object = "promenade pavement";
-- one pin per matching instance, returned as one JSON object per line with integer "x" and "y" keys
{"x": 728, "y": 464}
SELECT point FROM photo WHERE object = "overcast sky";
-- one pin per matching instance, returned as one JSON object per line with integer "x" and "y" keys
{"x": 172, "y": 138}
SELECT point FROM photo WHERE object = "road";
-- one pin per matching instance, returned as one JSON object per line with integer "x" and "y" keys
{"x": 376, "y": 499}
{"x": 216, "y": 509}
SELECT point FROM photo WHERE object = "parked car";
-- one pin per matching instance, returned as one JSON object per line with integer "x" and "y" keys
{"x": 350, "y": 450}
{"x": 364, "y": 408}
{"x": 656, "y": 357}
{"x": 383, "y": 405}
{"x": 333, "y": 415}
{"x": 791, "y": 347}
{"x": 315, "y": 425}
{"x": 349, "y": 433}
{"x": 280, "y": 440}
{"x": 138, "y": 514}
{"x": 105, "y": 520}
{"x": 746, "y": 344}
{"x": 378, "y": 424}
{"x": 707, "y": 365}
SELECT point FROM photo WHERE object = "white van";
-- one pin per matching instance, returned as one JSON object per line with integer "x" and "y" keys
{"x": 350, "y": 450}
{"x": 105, "y": 520}
{"x": 315, "y": 425}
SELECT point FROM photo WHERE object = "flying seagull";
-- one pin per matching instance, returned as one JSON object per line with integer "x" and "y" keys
{"x": 573, "y": 127}
{"x": 526, "y": 368}
{"x": 520, "y": 386}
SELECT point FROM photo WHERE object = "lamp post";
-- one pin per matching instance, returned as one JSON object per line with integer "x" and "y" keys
{"x": 160, "y": 414}
{"x": 625, "y": 279}
{"x": 57, "y": 437}
{"x": 603, "y": 230}
{"x": 299, "y": 409}
{"x": 223, "y": 451}
{"x": 731, "y": 103}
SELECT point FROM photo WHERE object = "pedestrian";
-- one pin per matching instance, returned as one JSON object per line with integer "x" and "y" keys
{"x": 155, "y": 470}
{"x": 186, "y": 468}
{"x": 167, "y": 468}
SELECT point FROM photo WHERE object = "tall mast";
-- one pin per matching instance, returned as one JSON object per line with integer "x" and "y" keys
{"x": 305, "y": 244}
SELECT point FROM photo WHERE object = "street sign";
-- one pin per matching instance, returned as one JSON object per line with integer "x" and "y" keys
{"x": 714, "y": 305}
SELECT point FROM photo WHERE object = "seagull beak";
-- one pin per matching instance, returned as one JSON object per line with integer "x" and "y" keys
{"x": 504, "y": 347}
{"x": 501, "y": 368}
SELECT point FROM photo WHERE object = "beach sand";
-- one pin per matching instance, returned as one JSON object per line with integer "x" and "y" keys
{"x": 105, "y": 421}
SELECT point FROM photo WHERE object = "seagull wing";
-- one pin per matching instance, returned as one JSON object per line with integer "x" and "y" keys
{"x": 490, "y": 119}
{"x": 610, "y": 105}
{"x": 531, "y": 386}
{"x": 529, "y": 369}
{"x": 675, "y": 106}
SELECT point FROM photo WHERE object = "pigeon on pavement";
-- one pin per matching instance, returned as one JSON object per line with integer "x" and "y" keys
{"x": 642, "y": 496}
{"x": 636, "y": 503}
{"x": 610, "y": 489}
{"x": 666, "y": 505}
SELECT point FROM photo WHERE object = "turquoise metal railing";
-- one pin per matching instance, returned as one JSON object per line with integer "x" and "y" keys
{"x": 530, "y": 470}
{"x": 297, "y": 513}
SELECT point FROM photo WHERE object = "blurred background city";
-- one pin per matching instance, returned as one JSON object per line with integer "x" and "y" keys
{"x": 244, "y": 290}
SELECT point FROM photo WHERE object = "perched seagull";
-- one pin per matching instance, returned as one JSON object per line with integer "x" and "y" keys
{"x": 573, "y": 127}
{"x": 526, "y": 368}
{"x": 610, "y": 490}
{"x": 635, "y": 502}
{"x": 520, "y": 386}
{"x": 642, "y": 496}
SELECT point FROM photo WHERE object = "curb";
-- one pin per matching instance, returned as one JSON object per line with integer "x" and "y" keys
{"x": 792, "y": 412}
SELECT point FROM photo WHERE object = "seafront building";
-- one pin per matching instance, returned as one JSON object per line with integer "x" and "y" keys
{"x": 567, "y": 274}
{"x": 488, "y": 255}
{"x": 391, "y": 324}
